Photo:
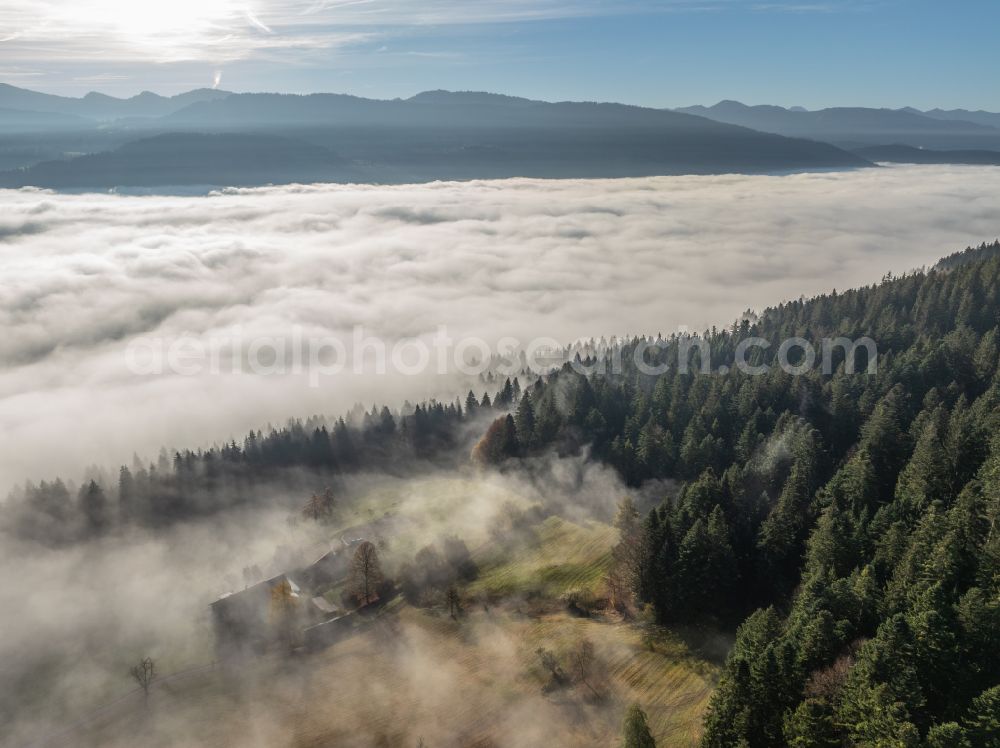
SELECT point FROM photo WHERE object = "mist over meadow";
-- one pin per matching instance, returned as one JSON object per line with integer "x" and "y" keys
{"x": 87, "y": 275}
{"x": 143, "y": 592}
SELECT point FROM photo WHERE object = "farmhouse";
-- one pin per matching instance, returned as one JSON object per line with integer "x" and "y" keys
{"x": 286, "y": 605}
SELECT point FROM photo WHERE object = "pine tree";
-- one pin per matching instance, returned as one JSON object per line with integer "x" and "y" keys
{"x": 635, "y": 730}
{"x": 524, "y": 419}
{"x": 927, "y": 475}
{"x": 126, "y": 495}
{"x": 505, "y": 397}
{"x": 498, "y": 443}
{"x": 812, "y": 725}
{"x": 983, "y": 719}
{"x": 721, "y": 564}
{"x": 882, "y": 695}
{"x": 547, "y": 420}
{"x": 947, "y": 735}
{"x": 885, "y": 440}
{"x": 94, "y": 506}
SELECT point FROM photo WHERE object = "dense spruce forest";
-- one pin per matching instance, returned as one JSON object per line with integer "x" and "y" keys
{"x": 847, "y": 522}
{"x": 844, "y": 524}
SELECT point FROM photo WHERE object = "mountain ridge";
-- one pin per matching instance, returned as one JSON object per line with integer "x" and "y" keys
{"x": 473, "y": 108}
{"x": 857, "y": 126}
{"x": 180, "y": 159}
{"x": 443, "y": 135}
{"x": 100, "y": 106}
{"x": 149, "y": 103}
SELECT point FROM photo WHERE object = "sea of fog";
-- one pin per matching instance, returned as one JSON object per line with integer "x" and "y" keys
{"x": 89, "y": 279}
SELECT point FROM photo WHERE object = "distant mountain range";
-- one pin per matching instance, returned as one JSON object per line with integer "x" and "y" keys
{"x": 25, "y": 121}
{"x": 100, "y": 107}
{"x": 990, "y": 119}
{"x": 439, "y": 109}
{"x": 905, "y": 154}
{"x": 853, "y": 127}
{"x": 99, "y": 141}
{"x": 185, "y": 159}
{"x": 434, "y": 135}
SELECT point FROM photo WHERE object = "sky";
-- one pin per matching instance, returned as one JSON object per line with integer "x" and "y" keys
{"x": 812, "y": 53}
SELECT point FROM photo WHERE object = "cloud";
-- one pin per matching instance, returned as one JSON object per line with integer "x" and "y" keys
{"x": 257, "y": 23}
{"x": 117, "y": 31}
{"x": 144, "y": 593}
{"x": 87, "y": 275}
{"x": 214, "y": 31}
{"x": 518, "y": 257}
{"x": 116, "y": 590}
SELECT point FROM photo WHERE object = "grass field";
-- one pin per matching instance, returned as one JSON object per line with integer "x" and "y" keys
{"x": 556, "y": 557}
{"x": 417, "y": 673}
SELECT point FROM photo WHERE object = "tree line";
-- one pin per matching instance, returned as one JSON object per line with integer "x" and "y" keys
{"x": 291, "y": 459}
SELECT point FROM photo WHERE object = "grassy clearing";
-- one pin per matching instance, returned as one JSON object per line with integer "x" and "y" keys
{"x": 650, "y": 666}
{"x": 415, "y": 673}
{"x": 557, "y": 556}
{"x": 419, "y": 511}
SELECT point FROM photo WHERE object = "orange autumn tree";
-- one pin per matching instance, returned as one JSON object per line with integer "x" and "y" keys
{"x": 284, "y": 611}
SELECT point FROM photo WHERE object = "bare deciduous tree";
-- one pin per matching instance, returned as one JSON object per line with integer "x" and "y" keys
{"x": 619, "y": 592}
{"x": 143, "y": 673}
{"x": 630, "y": 558}
{"x": 583, "y": 662}
{"x": 319, "y": 505}
{"x": 627, "y": 517}
{"x": 827, "y": 682}
{"x": 550, "y": 663}
{"x": 366, "y": 572}
{"x": 454, "y": 601}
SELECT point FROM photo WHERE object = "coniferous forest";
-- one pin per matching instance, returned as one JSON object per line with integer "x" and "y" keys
{"x": 847, "y": 524}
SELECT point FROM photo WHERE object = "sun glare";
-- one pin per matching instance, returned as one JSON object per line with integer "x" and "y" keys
{"x": 163, "y": 28}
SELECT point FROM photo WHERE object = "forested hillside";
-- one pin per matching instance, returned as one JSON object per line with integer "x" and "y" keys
{"x": 849, "y": 521}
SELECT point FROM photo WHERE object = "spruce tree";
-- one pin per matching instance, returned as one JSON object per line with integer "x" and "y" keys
{"x": 525, "y": 422}
{"x": 635, "y": 730}
{"x": 94, "y": 505}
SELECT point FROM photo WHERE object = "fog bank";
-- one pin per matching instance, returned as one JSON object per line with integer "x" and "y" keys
{"x": 86, "y": 275}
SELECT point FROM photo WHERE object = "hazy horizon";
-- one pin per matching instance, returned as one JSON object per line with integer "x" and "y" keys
{"x": 167, "y": 93}
{"x": 589, "y": 50}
